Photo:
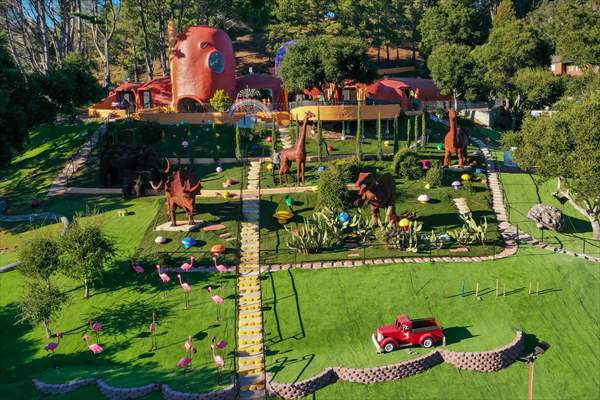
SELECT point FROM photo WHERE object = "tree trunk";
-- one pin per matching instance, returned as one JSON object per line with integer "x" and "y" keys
{"x": 378, "y": 54}
{"x": 588, "y": 211}
{"x": 397, "y": 53}
{"x": 86, "y": 289}
{"x": 387, "y": 51}
{"x": 147, "y": 56}
{"x": 47, "y": 329}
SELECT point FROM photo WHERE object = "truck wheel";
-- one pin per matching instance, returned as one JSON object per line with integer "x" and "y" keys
{"x": 427, "y": 343}
{"x": 389, "y": 347}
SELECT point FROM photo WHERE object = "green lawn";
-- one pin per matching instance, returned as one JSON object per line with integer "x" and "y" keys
{"x": 523, "y": 191}
{"x": 439, "y": 215}
{"x": 31, "y": 173}
{"x": 102, "y": 209}
{"x": 210, "y": 211}
{"x": 316, "y": 319}
{"x": 123, "y": 302}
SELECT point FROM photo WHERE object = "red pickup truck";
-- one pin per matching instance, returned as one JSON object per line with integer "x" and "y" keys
{"x": 408, "y": 332}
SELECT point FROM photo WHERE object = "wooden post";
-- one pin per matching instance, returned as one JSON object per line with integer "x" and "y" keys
{"x": 496, "y": 287}
{"x": 530, "y": 385}
{"x": 477, "y": 290}
{"x": 504, "y": 290}
{"x": 537, "y": 291}
{"x": 529, "y": 288}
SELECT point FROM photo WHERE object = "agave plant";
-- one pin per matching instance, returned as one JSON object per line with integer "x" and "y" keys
{"x": 477, "y": 231}
{"x": 362, "y": 226}
{"x": 316, "y": 233}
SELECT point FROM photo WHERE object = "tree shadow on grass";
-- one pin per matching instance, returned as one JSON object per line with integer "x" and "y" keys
{"x": 128, "y": 316}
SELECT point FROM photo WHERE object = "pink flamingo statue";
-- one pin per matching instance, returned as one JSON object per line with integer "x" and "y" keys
{"x": 220, "y": 344}
{"x": 187, "y": 288}
{"x": 95, "y": 348}
{"x": 52, "y": 347}
{"x": 217, "y": 358}
{"x": 221, "y": 268}
{"x": 96, "y": 327}
{"x": 218, "y": 300}
{"x": 186, "y": 361}
{"x": 187, "y": 266}
{"x": 152, "y": 329}
{"x": 163, "y": 277}
{"x": 138, "y": 269}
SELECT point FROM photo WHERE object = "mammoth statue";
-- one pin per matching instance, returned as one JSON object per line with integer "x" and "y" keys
{"x": 378, "y": 193}
{"x": 131, "y": 167}
{"x": 181, "y": 188}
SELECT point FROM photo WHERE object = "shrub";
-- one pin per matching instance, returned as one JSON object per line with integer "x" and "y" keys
{"x": 406, "y": 165}
{"x": 349, "y": 168}
{"x": 332, "y": 192}
{"x": 435, "y": 174}
{"x": 220, "y": 101}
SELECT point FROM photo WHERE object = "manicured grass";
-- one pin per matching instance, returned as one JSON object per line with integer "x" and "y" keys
{"x": 210, "y": 211}
{"x": 126, "y": 231}
{"x": 204, "y": 141}
{"x": 31, "y": 173}
{"x": 316, "y": 319}
{"x": 524, "y": 190}
{"x": 123, "y": 301}
{"x": 439, "y": 215}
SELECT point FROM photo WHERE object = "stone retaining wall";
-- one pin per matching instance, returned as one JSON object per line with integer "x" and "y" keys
{"x": 487, "y": 361}
{"x": 117, "y": 393}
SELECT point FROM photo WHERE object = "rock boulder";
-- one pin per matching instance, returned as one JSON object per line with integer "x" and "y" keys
{"x": 547, "y": 217}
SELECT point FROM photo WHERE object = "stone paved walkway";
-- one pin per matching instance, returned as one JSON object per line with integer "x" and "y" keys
{"x": 61, "y": 181}
{"x": 463, "y": 207}
{"x": 250, "y": 351}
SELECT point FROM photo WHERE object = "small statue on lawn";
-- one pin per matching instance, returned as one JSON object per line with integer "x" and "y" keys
{"x": 455, "y": 142}
{"x": 378, "y": 193}
{"x": 297, "y": 153}
{"x": 181, "y": 189}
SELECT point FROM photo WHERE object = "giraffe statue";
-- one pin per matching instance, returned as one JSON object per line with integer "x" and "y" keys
{"x": 297, "y": 153}
{"x": 455, "y": 142}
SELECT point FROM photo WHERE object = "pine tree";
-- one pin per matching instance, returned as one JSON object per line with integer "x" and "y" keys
{"x": 319, "y": 136}
{"x": 423, "y": 129}
{"x": 238, "y": 142}
{"x": 416, "y": 131}
{"x": 379, "y": 139}
{"x": 274, "y": 136}
{"x": 408, "y": 132}
{"x": 396, "y": 135}
{"x": 358, "y": 133}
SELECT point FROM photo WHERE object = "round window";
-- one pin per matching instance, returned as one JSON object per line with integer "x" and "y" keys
{"x": 216, "y": 62}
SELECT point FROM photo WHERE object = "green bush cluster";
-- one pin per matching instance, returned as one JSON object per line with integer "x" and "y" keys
{"x": 332, "y": 192}
{"x": 407, "y": 165}
{"x": 135, "y": 132}
{"x": 349, "y": 168}
{"x": 435, "y": 174}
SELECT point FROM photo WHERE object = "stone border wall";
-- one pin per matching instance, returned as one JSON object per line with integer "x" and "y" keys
{"x": 117, "y": 393}
{"x": 487, "y": 361}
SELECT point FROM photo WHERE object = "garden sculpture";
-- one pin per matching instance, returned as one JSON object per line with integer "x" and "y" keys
{"x": 181, "y": 189}
{"x": 380, "y": 193}
{"x": 455, "y": 142}
{"x": 298, "y": 153}
{"x": 130, "y": 167}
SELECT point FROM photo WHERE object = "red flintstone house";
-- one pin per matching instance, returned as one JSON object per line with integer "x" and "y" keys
{"x": 202, "y": 62}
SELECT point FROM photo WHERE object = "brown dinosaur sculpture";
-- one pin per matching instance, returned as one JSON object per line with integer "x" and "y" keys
{"x": 380, "y": 193}
{"x": 455, "y": 142}
{"x": 181, "y": 188}
{"x": 298, "y": 153}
